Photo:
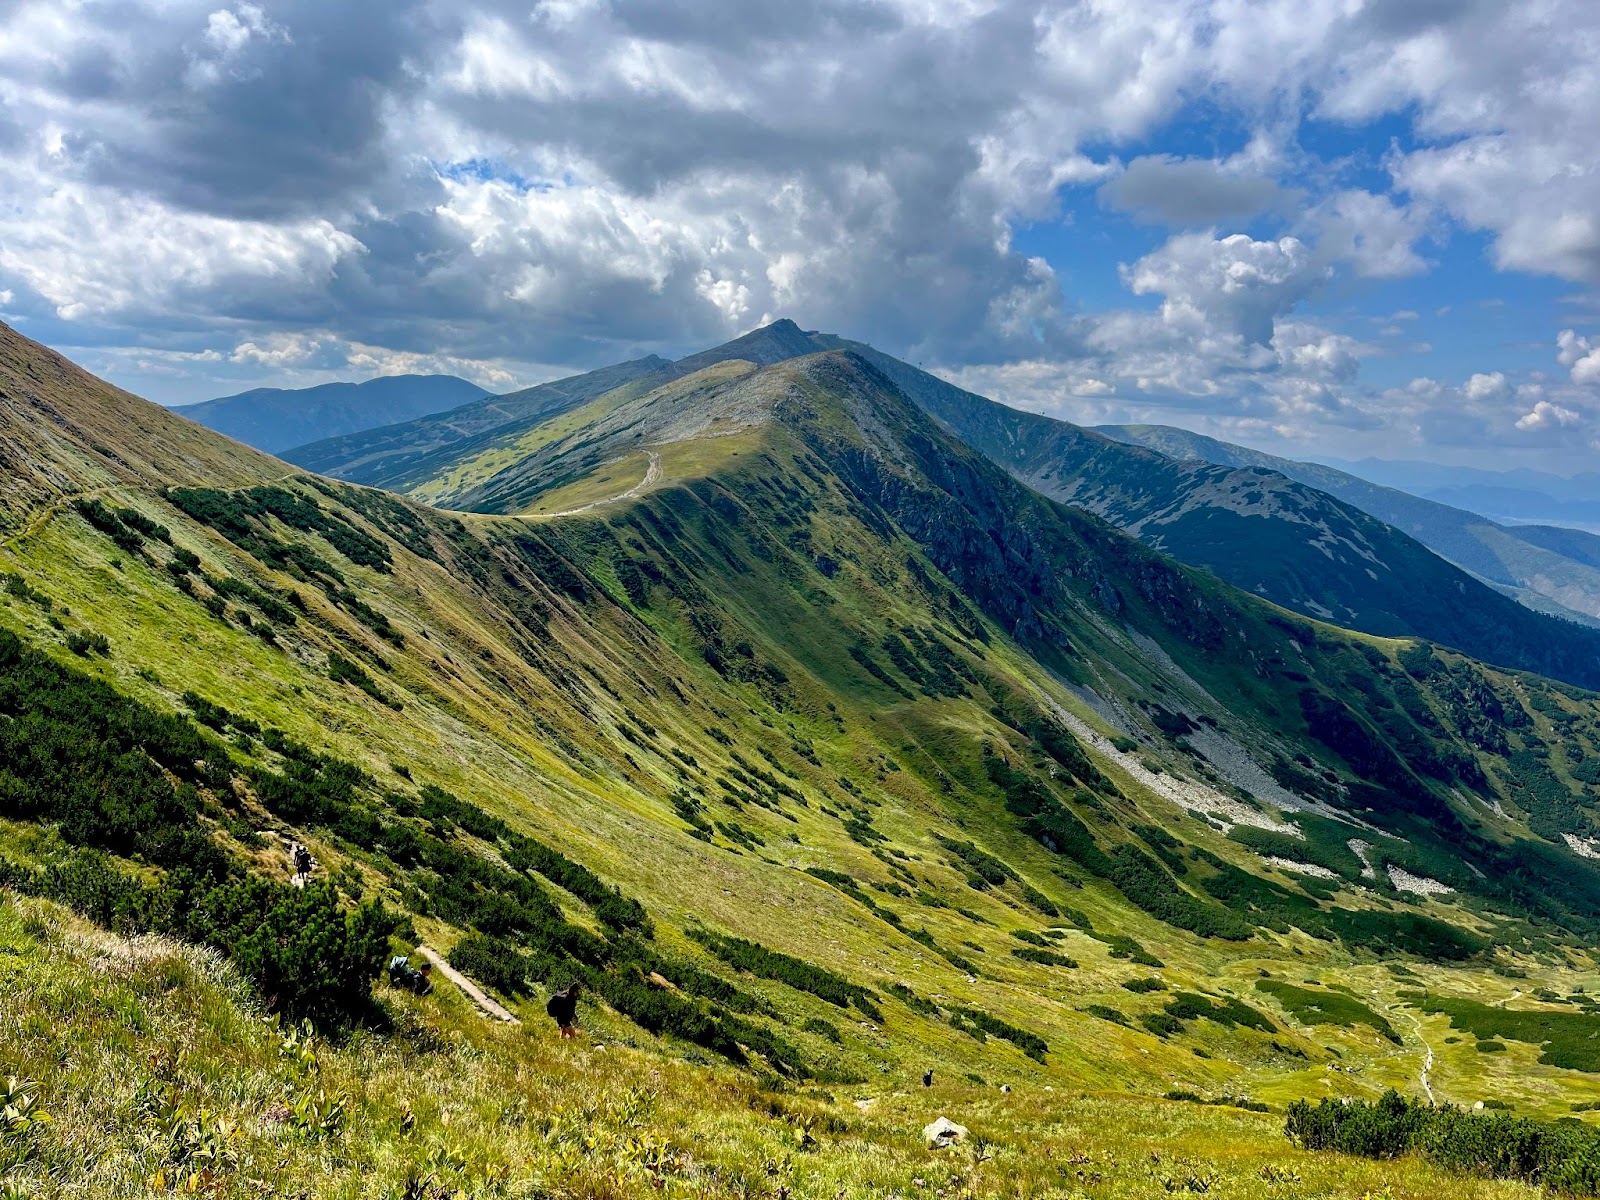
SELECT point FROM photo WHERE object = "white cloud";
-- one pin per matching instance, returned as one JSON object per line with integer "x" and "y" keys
{"x": 1492, "y": 386}
{"x": 228, "y": 33}
{"x": 1580, "y": 355}
{"x": 1374, "y": 234}
{"x": 278, "y": 351}
{"x": 1234, "y": 283}
{"x": 1545, "y": 415}
{"x": 577, "y": 181}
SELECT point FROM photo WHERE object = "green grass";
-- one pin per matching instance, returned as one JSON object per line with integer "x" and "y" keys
{"x": 1565, "y": 1039}
{"x": 588, "y": 681}
{"x": 155, "y": 1064}
{"x": 1325, "y": 1008}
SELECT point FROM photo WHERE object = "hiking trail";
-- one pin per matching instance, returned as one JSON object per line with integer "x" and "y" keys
{"x": 490, "y": 1006}
{"x": 652, "y": 475}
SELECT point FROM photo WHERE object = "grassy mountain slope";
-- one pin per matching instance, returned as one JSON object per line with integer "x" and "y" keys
{"x": 1261, "y": 531}
{"x": 277, "y": 419}
{"x": 68, "y": 433}
{"x": 391, "y": 454}
{"x": 1541, "y": 565}
{"x": 437, "y": 458}
{"x": 833, "y": 684}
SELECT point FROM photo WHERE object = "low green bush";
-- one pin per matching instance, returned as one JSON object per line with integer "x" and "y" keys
{"x": 1562, "y": 1155}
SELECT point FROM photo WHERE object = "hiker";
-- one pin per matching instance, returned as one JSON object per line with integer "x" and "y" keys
{"x": 563, "y": 1010}
{"x": 414, "y": 979}
{"x": 927, "y": 1078}
{"x": 302, "y": 860}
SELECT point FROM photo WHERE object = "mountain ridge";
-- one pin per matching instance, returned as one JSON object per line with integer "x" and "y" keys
{"x": 1537, "y": 562}
{"x": 1257, "y": 529}
{"x": 900, "y": 762}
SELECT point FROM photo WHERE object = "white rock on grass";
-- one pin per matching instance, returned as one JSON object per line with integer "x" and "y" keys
{"x": 1312, "y": 869}
{"x": 943, "y": 1132}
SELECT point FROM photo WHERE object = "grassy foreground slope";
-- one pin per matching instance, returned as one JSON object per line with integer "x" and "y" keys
{"x": 903, "y": 766}
{"x": 158, "y": 1068}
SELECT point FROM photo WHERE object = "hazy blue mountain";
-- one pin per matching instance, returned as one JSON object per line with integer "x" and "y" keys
{"x": 277, "y": 419}
{"x": 1517, "y": 505}
{"x": 1424, "y": 478}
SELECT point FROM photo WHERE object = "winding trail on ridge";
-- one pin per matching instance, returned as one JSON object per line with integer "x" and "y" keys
{"x": 651, "y": 476}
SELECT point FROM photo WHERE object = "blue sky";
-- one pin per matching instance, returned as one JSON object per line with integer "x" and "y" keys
{"x": 1336, "y": 227}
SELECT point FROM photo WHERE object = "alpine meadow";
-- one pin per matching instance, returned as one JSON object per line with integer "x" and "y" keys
{"x": 753, "y": 602}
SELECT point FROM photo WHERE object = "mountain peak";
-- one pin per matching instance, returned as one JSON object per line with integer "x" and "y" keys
{"x": 769, "y": 344}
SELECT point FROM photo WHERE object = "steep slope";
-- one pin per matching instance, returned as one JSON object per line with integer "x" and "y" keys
{"x": 64, "y": 432}
{"x": 1261, "y": 531}
{"x": 278, "y": 419}
{"x": 979, "y": 781}
{"x": 1545, "y": 569}
{"x": 1257, "y": 529}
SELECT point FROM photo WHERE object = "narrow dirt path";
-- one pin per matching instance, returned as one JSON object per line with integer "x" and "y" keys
{"x": 651, "y": 476}
{"x": 1427, "y": 1062}
{"x": 490, "y": 1006}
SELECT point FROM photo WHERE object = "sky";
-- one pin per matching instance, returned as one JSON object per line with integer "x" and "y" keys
{"x": 1321, "y": 227}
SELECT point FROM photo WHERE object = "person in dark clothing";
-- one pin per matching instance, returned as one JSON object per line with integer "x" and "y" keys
{"x": 302, "y": 861}
{"x": 563, "y": 1010}
{"x": 414, "y": 979}
{"x": 927, "y": 1078}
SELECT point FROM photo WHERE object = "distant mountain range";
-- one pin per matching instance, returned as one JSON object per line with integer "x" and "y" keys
{"x": 277, "y": 419}
{"x": 1424, "y": 478}
{"x": 1548, "y": 569}
{"x": 1517, "y": 496}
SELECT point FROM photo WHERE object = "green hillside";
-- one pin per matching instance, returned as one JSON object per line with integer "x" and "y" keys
{"x": 822, "y": 752}
{"x": 1273, "y": 536}
{"x": 1264, "y": 531}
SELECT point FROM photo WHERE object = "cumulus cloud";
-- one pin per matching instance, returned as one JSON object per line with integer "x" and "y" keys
{"x": 1580, "y": 355}
{"x": 1234, "y": 283}
{"x": 1492, "y": 386}
{"x": 1374, "y": 234}
{"x": 1546, "y": 415}
{"x": 572, "y": 182}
